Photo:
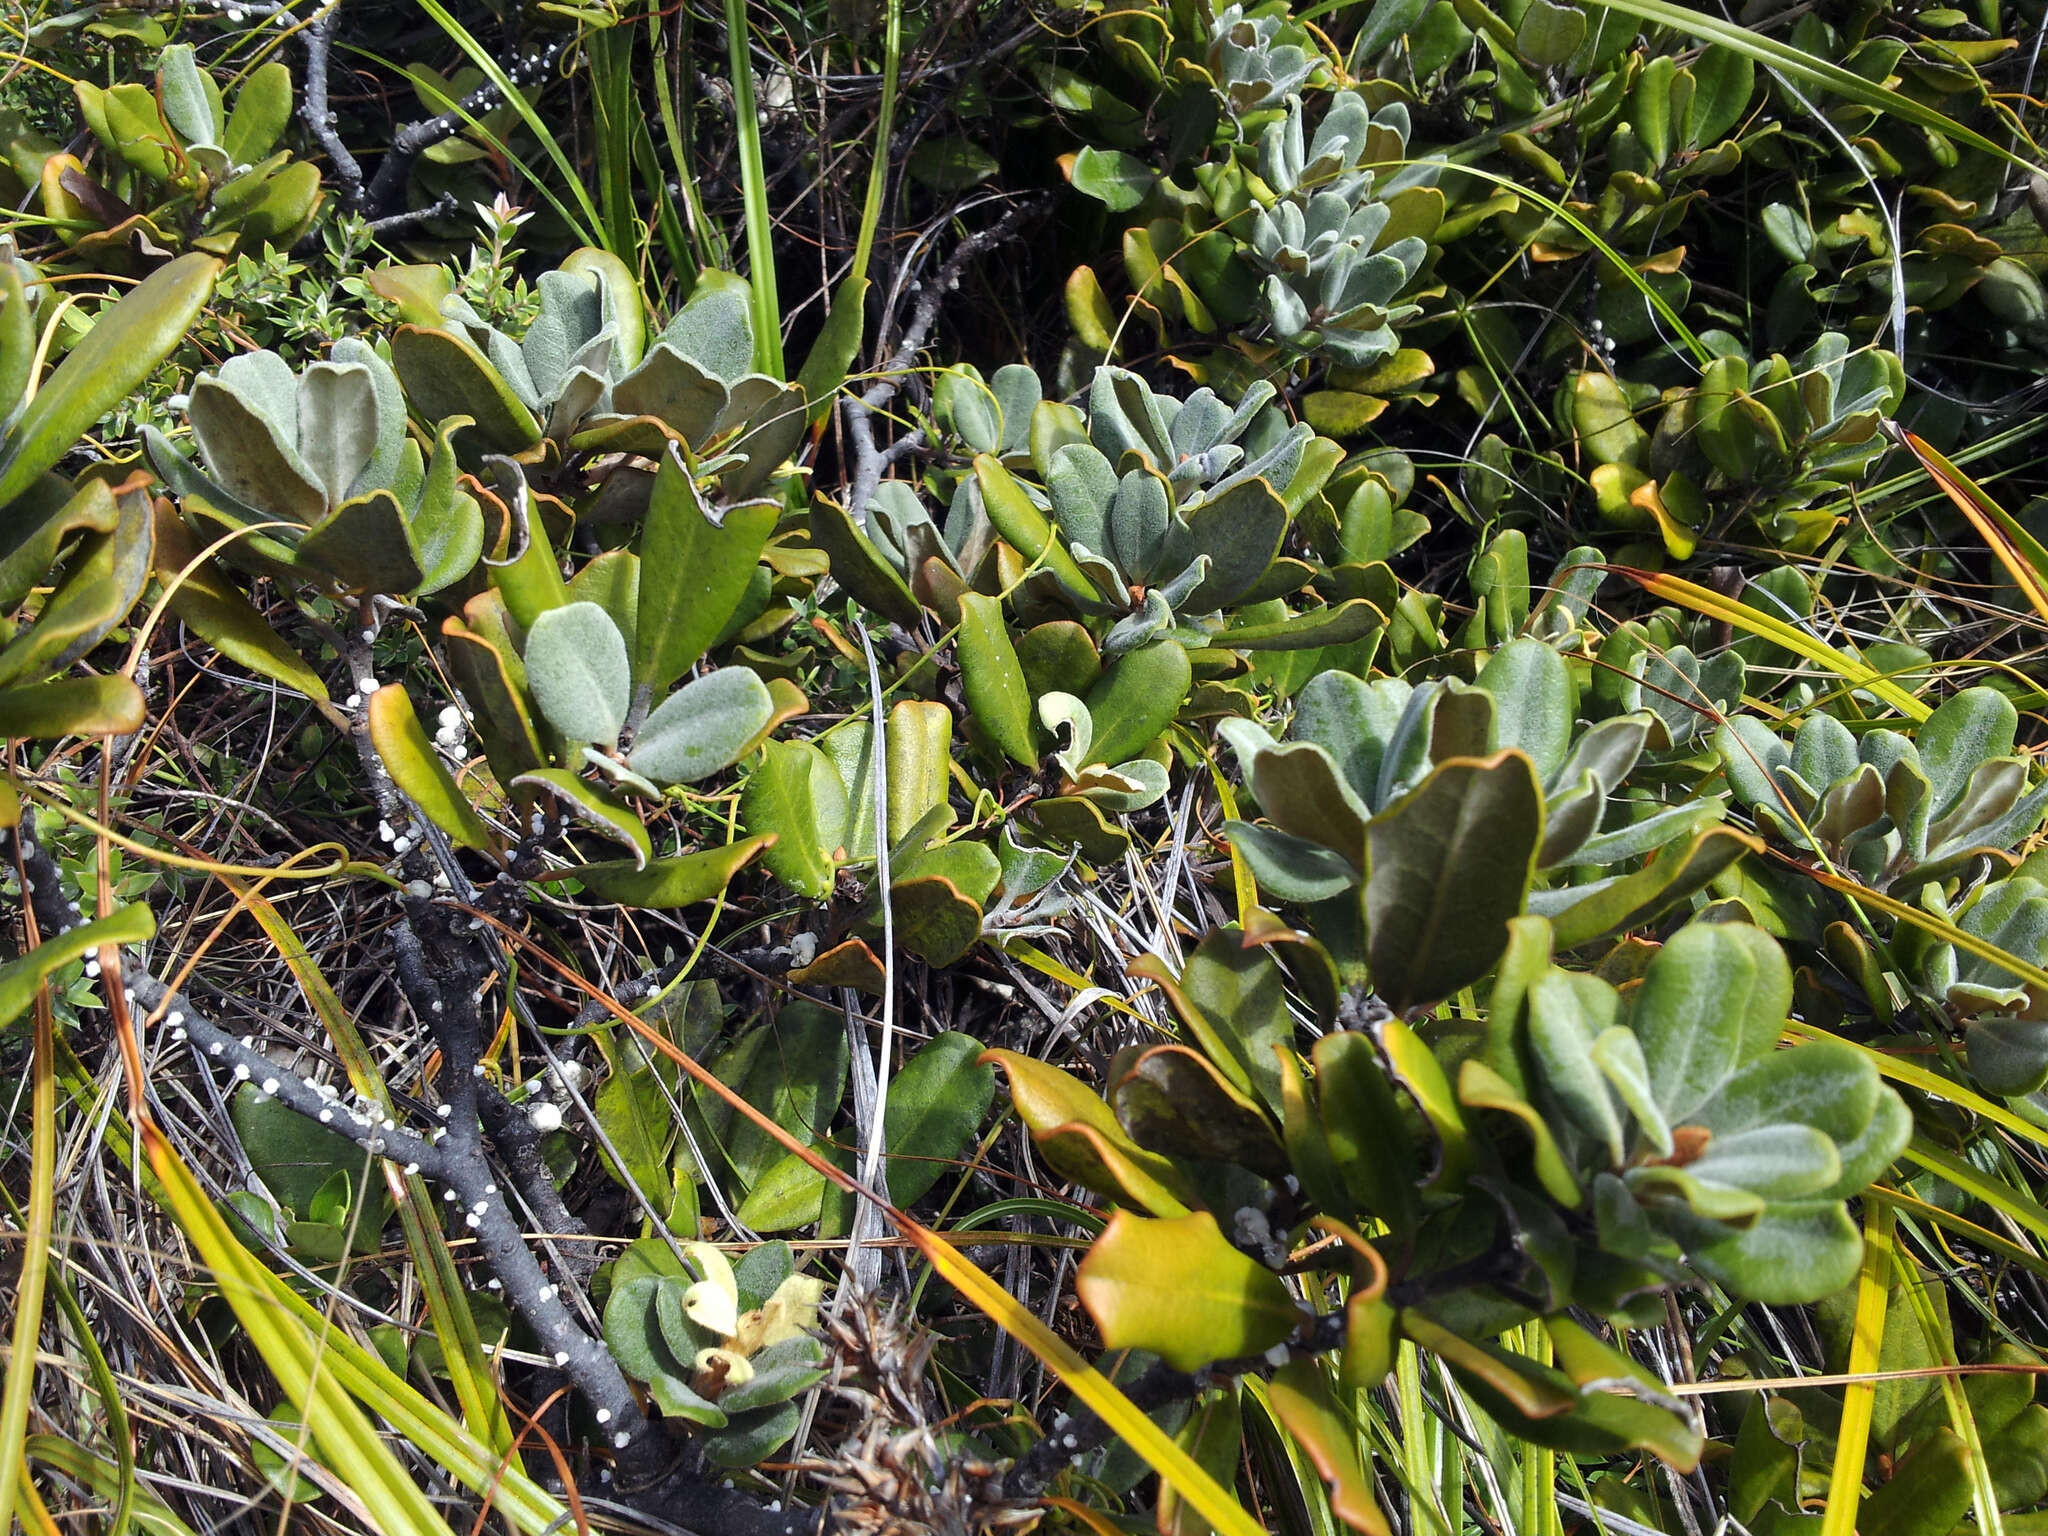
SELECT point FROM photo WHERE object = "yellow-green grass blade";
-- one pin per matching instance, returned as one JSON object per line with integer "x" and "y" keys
{"x": 1973, "y": 1181}
{"x": 1850, "y": 669}
{"x": 2017, "y": 550}
{"x": 1852, "y": 1443}
{"x": 1941, "y": 1344}
{"x": 342, "y": 1438}
{"x": 447, "y": 1304}
{"x": 34, "y": 1251}
{"x": 1125, "y": 1419}
{"x": 754, "y": 189}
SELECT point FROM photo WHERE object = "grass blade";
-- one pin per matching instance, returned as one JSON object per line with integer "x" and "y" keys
{"x": 1980, "y": 1185}
{"x": 885, "y": 127}
{"x": 2018, "y": 551}
{"x": 754, "y": 187}
{"x": 1704, "y": 600}
{"x": 344, "y": 1440}
{"x": 447, "y": 1305}
{"x": 1873, "y": 1292}
{"x": 589, "y": 228}
{"x": 1201, "y": 1491}
{"x": 1799, "y": 64}
{"x": 35, "y": 1251}
{"x": 1941, "y": 1344}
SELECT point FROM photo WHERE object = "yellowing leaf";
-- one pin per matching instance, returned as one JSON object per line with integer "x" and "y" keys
{"x": 1179, "y": 1289}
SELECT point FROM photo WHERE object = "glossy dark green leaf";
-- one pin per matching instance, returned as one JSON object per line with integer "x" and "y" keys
{"x": 693, "y": 572}
{"x": 1364, "y": 1127}
{"x": 993, "y": 679}
{"x": 1137, "y": 699}
{"x": 936, "y": 1104}
{"x": 681, "y": 881}
{"x": 127, "y": 341}
{"x": 1448, "y": 865}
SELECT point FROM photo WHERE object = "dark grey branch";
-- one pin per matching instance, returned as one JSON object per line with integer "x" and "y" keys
{"x": 314, "y": 110}
{"x": 869, "y": 461}
{"x": 414, "y": 140}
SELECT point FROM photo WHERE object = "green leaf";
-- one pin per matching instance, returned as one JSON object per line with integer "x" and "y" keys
{"x": 1807, "y": 67}
{"x": 967, "y": 408}
{"x": 17, "y": 339}
{"x": 1136, "y": 699}
{"x": 1367, "y": 1136}
{"x": 367, "y": 545}
{"x": 447, "y": 524}
{"x": 418, "y": 771}
{"x": 796, "y": 1076}
{"x": 701, "y": 728}
{"x": 993, "y": 679}
{"x": 675, "y": 391}
{"x": 1581, "y": 914}
{"x": 1387, "y": 21}
{"x": 933, "y": 919}
{"x": 215, "y": 610}
{"x": 187, "y": 105}
{"x": 860, "y": 567}
{"x": 1795, "y": 1252}
{"x": 1334, "y": 624}
{"x": 1173, "y": 1102}
{"x": 795, "y": 796}
{"x": 127, "y": 341}
{"x": 297, "y": 1158}
{"x": 790, "y": 1194}
{"x": 1568, "y": 1015}
{"x": 1448, "y": 865}
{"x": 1927, "y": 1494}
{"x": 682, "y": 881}
{"x": 576, "y": 666}
{"x": 1550, "y": 34}
{"x": 1779, "y": 1162}
{"x": 951, "y": 163}
{"x": 1017, "y": 518}
{"x": 1116, "y": 180}
{"x": 693, "y": 573}
{"x": 2008, "y": 1056}
{"x": 1480, "y": 1087}
{"x": 1724, "y": 79}
{"x": 1080, "y": 1137}
{"x": 715, "y": 327}
{"x": 635, "y": 1113}
{"x": 1302, "y": 1400}
{"x": 1714, "y": 997}
{"x": 1290, "y": 868}
{"x": 72, "y": 706}
{"x": 445, "y": 376}
{"x": 1239, "y": 988}
{"x": 101, "y": 581}
{"x": 1534, "y": 702}
{"x": 262, "y": 112}
{"x": 752, "y": 1437}
{"x": 1178, "y": 1289}
{"x": 918, "y": 739}
{"x": 838, "y": 344}
{"x": 1964, "y": 731}
{"x": 19, "y": 979}
{"x": 936, "y": 1104}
